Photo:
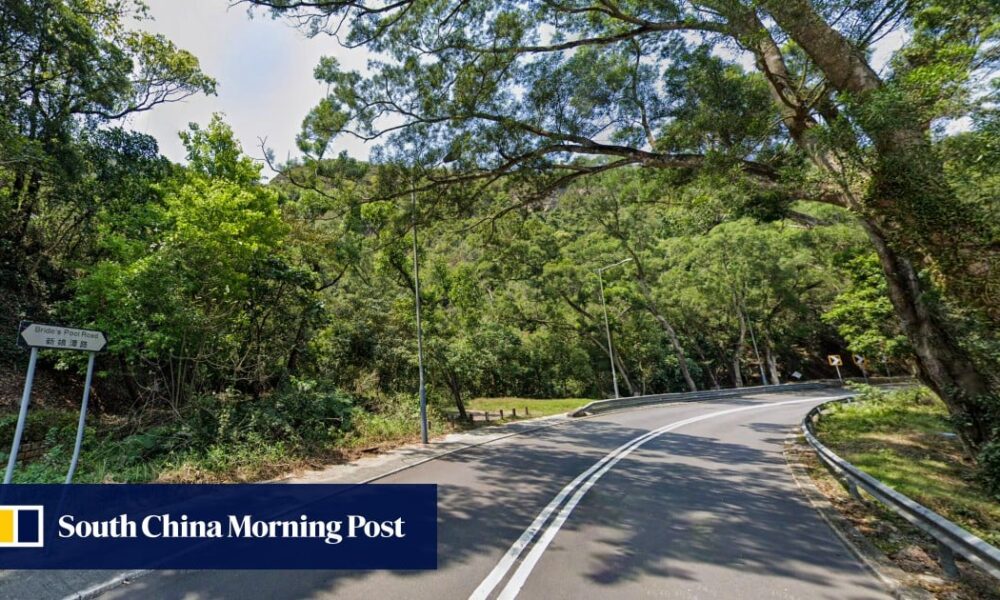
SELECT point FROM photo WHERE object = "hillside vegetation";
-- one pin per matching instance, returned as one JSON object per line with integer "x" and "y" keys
{"x": 255, "y": 324}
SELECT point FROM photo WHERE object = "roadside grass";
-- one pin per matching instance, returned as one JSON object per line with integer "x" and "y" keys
{"x": 250, "y": 442}
{"x": 905, "y": 439}
{"x": 536, "y": 408}
{"x": 907, "y": 547}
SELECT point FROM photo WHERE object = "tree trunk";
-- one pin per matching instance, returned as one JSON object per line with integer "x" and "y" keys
{"x": 706, "y": 365}
{"x": 738, "y": 354}
{"x": 624, "y": 374}
{"x": 678, "y": 350}
{"x": 918, "y": 211}
{"x": 772, "y": 364}
{"x": 944, "y": 366}
{"x": 456, "y": 393}
{"x": 675, "y": 342}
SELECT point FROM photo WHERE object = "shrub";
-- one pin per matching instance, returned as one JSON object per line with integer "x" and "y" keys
{"x": 989, "y": 467}
{"x": 300, "y": 415}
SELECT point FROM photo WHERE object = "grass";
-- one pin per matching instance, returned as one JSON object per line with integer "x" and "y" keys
{"x": 122, "y": 452}
{"x": 118, "y": 451}
{"x": 904, "y": 439}
{"x": 537, "y": 408}
{"x": 914, "y": 552}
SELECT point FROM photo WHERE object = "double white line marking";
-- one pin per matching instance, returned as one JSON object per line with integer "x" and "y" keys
{"x": 581, "y": 484}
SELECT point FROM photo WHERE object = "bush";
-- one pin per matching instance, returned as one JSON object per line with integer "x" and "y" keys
{"x": 989, "y": 467}
{"x": 298, "y": 416}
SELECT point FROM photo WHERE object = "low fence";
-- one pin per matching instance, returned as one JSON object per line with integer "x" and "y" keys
{"x": 951, "y": 538}
{"x": 488, "y": 416}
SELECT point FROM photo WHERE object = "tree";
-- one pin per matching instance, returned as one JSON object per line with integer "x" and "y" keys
{"x": 69, "y": 71}
{"x": 200, "y": 298}
{"x": 522, "y": 87}
{"x": 863, "y": 314}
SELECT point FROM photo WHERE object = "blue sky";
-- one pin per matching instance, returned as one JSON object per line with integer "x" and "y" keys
{"x": 264, "y": 69}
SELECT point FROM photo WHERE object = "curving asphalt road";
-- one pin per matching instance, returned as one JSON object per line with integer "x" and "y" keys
{"x": 682, "y": 501}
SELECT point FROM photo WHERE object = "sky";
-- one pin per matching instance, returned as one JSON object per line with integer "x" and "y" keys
{"x": 264, "y": 72}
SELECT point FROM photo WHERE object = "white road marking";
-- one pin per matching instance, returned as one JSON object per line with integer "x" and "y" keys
{"x": 582, "y": 484}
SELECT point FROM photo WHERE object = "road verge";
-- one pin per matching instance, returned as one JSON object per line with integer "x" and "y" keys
{"x": 910, "y": 532}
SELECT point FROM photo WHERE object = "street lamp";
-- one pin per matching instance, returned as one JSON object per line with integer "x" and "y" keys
{"x": 420, "y": 330}
{"x": 416, "y": 294}
{"x": 607, "y": 327}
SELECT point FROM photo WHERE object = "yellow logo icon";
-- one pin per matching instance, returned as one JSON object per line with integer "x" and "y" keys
{"x": 21, "y": 526}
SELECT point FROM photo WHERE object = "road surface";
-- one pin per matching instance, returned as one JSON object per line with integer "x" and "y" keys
{"x": 683, "y": 501}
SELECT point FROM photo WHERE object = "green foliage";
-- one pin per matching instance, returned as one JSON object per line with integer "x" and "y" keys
{"x": 208, "y": 291}
{"x": 864, "y": 316}
{"x": 301, "y": 416}
{"x": 254, "y": 323}
{"x": 905, "y": 438}
{"x": 989, "y": 464}
{"x": 534, "y": 96}
{"x": 72, "y": 69}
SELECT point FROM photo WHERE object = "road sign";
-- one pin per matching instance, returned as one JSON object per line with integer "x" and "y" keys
{"x": 57, "y": 337}
{"x": 797, "y": 375}
{"x": 859, "y": 360}
{"x": 835, "y": 362}
{"x": 38, "y": 335}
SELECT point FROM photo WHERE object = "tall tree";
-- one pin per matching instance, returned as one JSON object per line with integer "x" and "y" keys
{"x": 69, "y": 71}
{"x": 518, "y": 87}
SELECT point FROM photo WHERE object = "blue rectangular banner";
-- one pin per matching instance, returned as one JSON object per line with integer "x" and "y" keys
{"x": 236, "y": 526}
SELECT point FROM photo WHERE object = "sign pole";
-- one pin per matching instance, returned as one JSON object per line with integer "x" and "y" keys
{"x": 56, "y": 337}
{"x": 22, "y": 416}
{"x": 83, "y": 418}
{"x": 838, "y": 373}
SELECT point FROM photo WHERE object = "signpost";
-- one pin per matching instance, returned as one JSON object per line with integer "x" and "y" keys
{"x": 54, "y": 337}
{"x": 860, "y": 361}
{"x": 835, "y": 361}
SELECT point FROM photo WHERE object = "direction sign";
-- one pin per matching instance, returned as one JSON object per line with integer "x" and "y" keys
{"x": 859, "y": 360}
{"x": 57, "y": 337}
{"x": 834, "y": 360}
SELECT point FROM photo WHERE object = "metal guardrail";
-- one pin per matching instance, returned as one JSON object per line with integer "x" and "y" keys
{"x": 951, "y": 538}
{"x": 599, "y": 406}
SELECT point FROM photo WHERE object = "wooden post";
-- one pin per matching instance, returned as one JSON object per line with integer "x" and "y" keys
{"x": 514, "y": 412}
{"x": 501, "y": 414}
{"x": 526, "y": 413}
{"x": 487, "y": 413}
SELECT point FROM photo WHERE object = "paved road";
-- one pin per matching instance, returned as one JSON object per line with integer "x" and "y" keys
{"x": 703, "y": 506}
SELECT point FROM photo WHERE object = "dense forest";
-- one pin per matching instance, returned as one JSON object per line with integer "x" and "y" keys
{"x": 770, "y": 216}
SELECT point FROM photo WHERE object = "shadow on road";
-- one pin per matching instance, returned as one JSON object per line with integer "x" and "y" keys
{"x": 679, "y": 501}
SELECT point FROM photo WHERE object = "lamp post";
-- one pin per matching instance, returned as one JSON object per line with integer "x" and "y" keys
{"x": 420, "y": 330}
{"x": 607, "y": 327}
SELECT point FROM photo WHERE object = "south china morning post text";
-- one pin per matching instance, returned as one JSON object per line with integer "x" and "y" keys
{"x": 240, "y": 526}
{"x": 234, "y": 526}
